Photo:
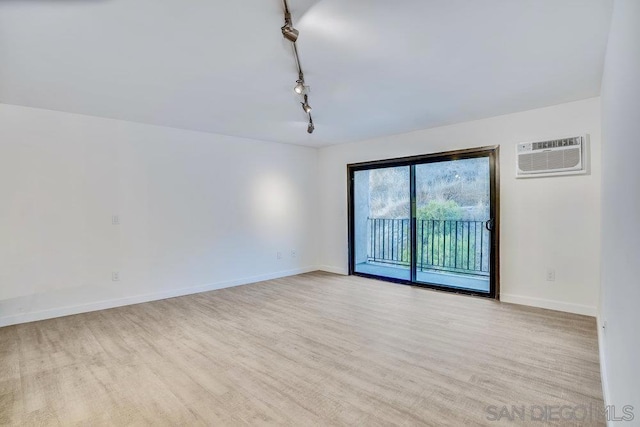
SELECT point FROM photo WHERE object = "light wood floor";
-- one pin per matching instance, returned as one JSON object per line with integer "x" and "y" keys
{"x": 314, "y": 349}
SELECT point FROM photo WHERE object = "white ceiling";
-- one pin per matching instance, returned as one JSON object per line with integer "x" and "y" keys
{"x": 375, "y": 67}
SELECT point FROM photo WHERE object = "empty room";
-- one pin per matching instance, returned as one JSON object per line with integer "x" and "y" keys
{"x": 319, "y": 212}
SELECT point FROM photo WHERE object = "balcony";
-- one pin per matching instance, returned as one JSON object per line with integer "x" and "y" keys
{"x": 450, "y": 253}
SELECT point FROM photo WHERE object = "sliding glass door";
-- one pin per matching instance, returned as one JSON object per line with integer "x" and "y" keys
{"x": 427, "y": 220}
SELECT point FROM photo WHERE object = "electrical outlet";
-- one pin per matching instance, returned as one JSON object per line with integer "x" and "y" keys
{"x": 551, "y": 275}
{"x": 115, "y": 276}
{"x": 279, "y": 255}
{"x": 115, "y": 219}
{"x": 294, "y": 254}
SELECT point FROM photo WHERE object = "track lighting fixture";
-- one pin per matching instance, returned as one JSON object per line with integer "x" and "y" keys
{"x": 305, "y": 105}
{"x": 288, "y": 31}
{"x": 311, "y": 127}
{"x": 291, "y": 34}
{"x": 299, "y": 89}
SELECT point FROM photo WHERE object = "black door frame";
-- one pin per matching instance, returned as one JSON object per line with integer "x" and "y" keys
{"x": 492, "y": 152}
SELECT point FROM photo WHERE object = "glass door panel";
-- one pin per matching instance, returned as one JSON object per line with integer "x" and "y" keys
{"x": 381, "y": 209}
{"x": 453, "y": 237}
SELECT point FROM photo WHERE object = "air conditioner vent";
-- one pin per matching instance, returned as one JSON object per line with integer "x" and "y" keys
{"x": 566, "y": 142}
{"x": 554, "y": 157}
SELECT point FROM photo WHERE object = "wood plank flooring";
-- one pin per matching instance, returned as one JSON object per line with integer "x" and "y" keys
{"x": 314, "y": 349}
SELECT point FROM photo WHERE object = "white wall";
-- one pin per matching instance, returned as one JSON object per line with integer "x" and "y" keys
{"x": 198, "y": 211}
{"x": 546, "y": 222}
{"x": 620, "y": 341}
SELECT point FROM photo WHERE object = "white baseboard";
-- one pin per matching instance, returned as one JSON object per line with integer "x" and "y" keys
{"x": 137, "y": 299}
{"x": 603, "y": 365}
{"x": 549, "y": 304}
{"x": 336, "y": 270}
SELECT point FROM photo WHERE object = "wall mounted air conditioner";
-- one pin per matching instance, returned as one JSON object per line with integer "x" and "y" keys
{"x": 563, "y": 156}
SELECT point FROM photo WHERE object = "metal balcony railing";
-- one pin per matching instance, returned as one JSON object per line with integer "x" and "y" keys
{"x": 457, "y": 246}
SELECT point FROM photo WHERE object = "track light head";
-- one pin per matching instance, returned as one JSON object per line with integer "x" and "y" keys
{"x": 305, "y": 105}
{"x": 310, "y": 127}
{"x": 289, "y": 32}
{"x": 299, "y": 89}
